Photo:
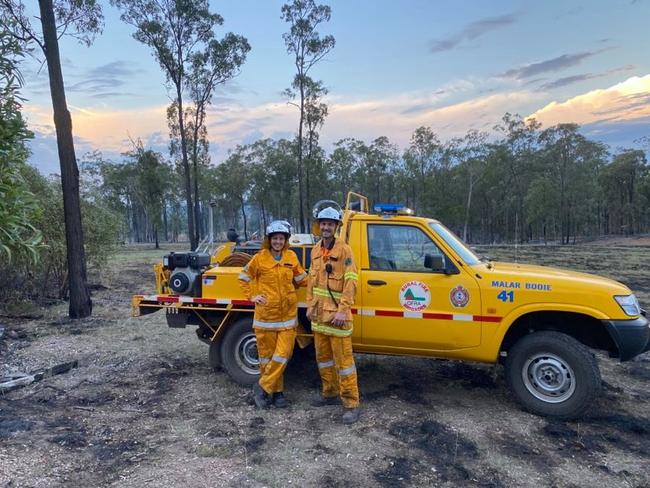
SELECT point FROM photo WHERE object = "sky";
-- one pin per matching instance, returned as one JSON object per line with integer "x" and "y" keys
{"x": 396, "y": 66}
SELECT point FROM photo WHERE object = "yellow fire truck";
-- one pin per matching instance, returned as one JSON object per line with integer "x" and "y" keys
{"x": 423, "y": 292}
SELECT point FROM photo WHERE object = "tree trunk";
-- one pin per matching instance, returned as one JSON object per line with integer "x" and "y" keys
{"x": 186, "y": 170}
{"x": 300, "y": 124}
{"x": 165, "y": 221}
{"x": 195, "y": 157}
{"x": 243, "y": 212}
{"x": 469, "y": 202}
{"x": 80, "y": 302}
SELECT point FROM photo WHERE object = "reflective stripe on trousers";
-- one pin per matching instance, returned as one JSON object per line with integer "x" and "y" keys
{"x": 274, "y": 348}
{"x": 326, "y": 364}
{"x": 336, "y": 368}
{"x": 274, "y": 325}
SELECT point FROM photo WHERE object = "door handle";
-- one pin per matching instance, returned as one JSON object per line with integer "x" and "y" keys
{"x": 376, "y": 282}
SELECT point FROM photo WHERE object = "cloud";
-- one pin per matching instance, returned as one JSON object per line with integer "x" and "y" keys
{"x": 618, "y": 133}
{"x": 472, "y": 31}
{"x": 550, "y": 65}
{"x": 569, "y": 80}
{"x": 396, "y": 117}
{"x": 113, "y": 70}
{"x": 627, "y": 100}
{"x": 110, "y": 130}
{"x": 104, "y": 81}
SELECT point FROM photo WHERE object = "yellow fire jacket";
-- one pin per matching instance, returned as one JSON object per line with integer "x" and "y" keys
{"x": 263, "y": 275}
{"x": 342, "y": 282}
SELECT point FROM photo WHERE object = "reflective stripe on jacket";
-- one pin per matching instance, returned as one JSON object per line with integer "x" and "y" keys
{"x": 325, "y": 303}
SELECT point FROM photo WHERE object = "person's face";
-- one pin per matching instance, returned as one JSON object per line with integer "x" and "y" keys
{"x": 327, "y": 228}
{"x": 277, "y": 242}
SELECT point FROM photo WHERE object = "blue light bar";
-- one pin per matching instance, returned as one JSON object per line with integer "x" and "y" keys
{"x": 392, "y": 208}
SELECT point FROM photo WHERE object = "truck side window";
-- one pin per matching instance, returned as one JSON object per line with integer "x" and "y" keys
{"x": 399, "y": 248}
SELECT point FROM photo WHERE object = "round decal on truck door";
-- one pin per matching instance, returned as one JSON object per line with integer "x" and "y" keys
{"x": 459, "y": 296}
{"x": 415, "y": 296}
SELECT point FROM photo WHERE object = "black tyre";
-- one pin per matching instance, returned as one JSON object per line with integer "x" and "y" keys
{"x": 552, "y": 374}
{"x": 239, "y": 352}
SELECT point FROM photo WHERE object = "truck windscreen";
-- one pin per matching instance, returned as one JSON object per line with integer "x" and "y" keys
{"x": 455, "y": 243}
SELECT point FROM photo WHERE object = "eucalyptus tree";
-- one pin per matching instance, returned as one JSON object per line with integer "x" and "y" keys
{"x": 471, "y": 154}
{"x": 624, "y": 183}
{"x": 422, "y": 166}
{"x": 572, "y": 163}
{"x": 81, "y": 19}
{"x": 181, "y": 34}
{"x": 308, "y": 48}
{"x": 520, "y": 141}
{"x": 315, "y": 113}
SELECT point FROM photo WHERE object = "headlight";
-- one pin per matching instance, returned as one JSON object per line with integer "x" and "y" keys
{"x": 629, "y": 304}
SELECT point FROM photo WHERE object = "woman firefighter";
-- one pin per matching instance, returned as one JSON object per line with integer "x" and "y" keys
{"x": 269, "y": 280}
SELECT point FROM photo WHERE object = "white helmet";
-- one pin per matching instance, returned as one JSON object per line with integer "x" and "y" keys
{"x": 329, "y": 213}
{"x": 279, "y": 227}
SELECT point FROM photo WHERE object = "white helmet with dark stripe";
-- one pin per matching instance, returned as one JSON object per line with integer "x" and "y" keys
{"x": 279, "y": 227}
{"x": 329, "y": 213}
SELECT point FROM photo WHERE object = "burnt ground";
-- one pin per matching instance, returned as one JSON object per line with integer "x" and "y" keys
{"x": 143, "y": 408}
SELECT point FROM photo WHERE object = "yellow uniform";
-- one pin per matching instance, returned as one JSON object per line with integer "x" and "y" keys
{"x": 327, "y": 294}
{"x": 275, "y": 321}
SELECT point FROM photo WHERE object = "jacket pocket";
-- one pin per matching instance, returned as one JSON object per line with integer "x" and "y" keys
{"x": 335, "y": 282}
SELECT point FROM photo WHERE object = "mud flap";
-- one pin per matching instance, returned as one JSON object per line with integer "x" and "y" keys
{"x": 176, "y": 318}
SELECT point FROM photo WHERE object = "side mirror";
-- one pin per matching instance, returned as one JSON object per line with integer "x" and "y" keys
{"x": 435, "y": 263}
{"x": 438, "y": 264}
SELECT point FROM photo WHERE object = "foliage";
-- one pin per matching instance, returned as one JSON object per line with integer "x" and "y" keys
{"x": 18, "y": 208}
{"x": 79, "y": 19}
{"x": 181, "y": 34}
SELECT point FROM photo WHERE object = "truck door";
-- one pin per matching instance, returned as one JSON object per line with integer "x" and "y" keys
{"x": 403, "y": 304}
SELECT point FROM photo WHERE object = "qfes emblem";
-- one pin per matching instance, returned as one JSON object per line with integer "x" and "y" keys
{"x": 459, "y": 296}
{"x": 414, "y": 296}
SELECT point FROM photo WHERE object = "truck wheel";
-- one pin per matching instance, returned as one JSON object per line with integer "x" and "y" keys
{"x": 239, "y": 352}
{"x": 552, "y": 374}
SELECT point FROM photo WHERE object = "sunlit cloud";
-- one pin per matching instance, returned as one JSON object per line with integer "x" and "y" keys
{"x": 106, "y": 129}
{"x": 231, "y": 123}
{"x": 627, "y": 100}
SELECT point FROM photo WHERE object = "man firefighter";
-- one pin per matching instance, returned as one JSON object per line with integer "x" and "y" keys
{"x": 330, "y": 294}
{"x": 268, "y": 281}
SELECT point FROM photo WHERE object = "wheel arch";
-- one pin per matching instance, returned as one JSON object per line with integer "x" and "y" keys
{"x": 582, "y": 326}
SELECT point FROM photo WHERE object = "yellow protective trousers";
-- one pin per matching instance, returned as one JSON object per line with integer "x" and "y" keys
{"x": 274, "y": 349}
{"x": 336, "y": 367}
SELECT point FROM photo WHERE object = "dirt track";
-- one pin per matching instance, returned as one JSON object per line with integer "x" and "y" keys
{"x": 144, "y": 409}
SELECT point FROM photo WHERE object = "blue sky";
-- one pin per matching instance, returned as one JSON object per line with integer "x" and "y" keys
{"x": 453, "y": 66}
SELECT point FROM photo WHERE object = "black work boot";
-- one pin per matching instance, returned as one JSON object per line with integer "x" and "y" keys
{"x": 351, "y": 415}
{"x": 279, "y": 401}
{"x": 321, "y": 401}
{"x": 260, "y": 397}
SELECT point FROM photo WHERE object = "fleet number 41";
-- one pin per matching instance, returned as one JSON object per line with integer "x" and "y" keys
{"x": 506, "y": 296}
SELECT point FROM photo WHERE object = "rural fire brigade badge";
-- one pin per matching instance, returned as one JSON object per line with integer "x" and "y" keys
{"x": 415, "y": 296}
{"x": 459, "y": 296}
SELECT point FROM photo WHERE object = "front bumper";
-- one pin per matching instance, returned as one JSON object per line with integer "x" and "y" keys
{"x": 632, "y": 337}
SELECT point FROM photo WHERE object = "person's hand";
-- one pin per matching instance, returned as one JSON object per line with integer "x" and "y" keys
{"x": 259, "y": 300}
{"x": 309, "y": 312}
{"x": 340, "y": 318}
